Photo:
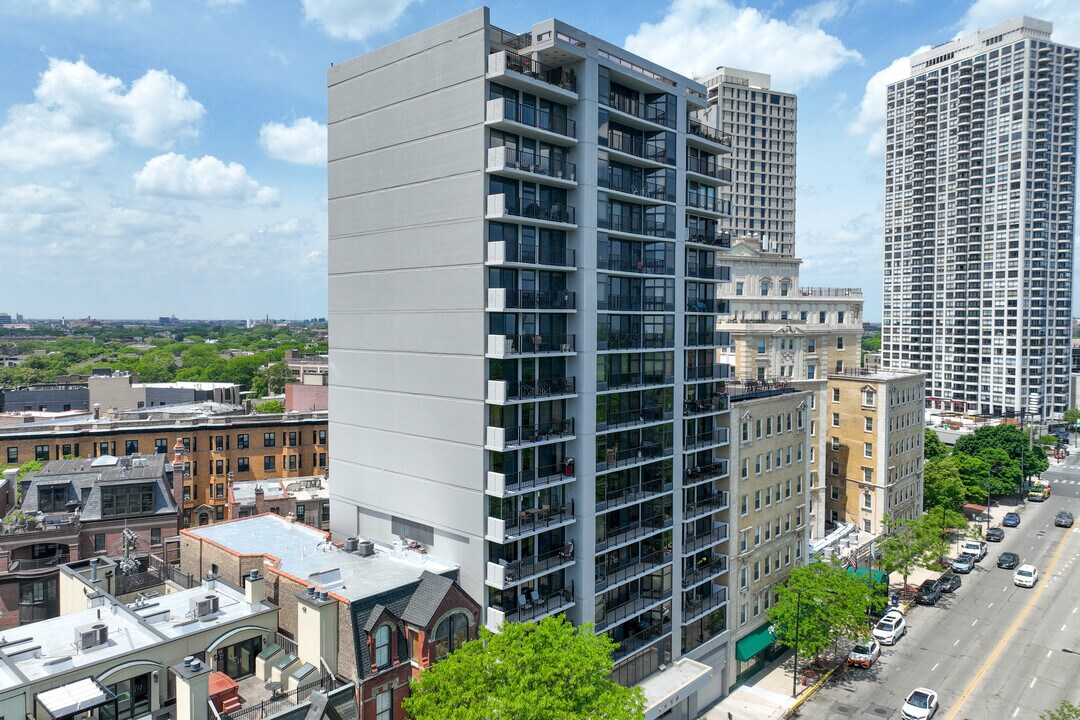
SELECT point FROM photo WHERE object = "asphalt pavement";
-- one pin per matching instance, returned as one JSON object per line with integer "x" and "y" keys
{"x": 992, "y": 650}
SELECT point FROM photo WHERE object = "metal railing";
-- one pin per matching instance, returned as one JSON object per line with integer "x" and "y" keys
{"x": 517, "y": 570}
{"x": 27, "y": 564}
{"x": 638, "y": 379}
{"x": 538, "y": 164}
{"x": 709, "y": 167}
{"x": 638, "y": 264}
{"x": 633, "y": 416}
{"x": 653, "y": 150}
{"x": 636, "y": 225}
{"x": 610, "y": 575}
{"x": 719, "y": 501}
{"x": 641, "y": 110}
{"x": 530, "y": 519}
{"x": 705, "y": 201}
{"x": 525, "y": 344}
{"x": 701, "y": 130}
{"x": 540, "y": 299}
{"x": 696, "y": 605}
{"x": 716, "y": 565}
{"x": 534, "y": 255}
{"x": 537, "y": 118}
{"x": 639, "y": 341}
{"x": 633, "y": 493}
{"x": 552, "y": 212}
{"x": 541, "y": 71}
{"x": 541, "y": 605}
{"x": 615, "y": 457}
{"x": 709, "y": 339}
{"x": 634, "y": 303}
{"x": 709, "y": 471}
{"x": 632, "y": 531}
{"x": 287, "y": 644}
{"x": 712, "y": 239}
{"x": 634, "y": 605}
{"x": 526, "y": 389}
{"x": 538, "y": 432}
{"x": 642, "y": 187}
{"x": 281, "y": 700}
{"x": 640, "y": 639}
{"x": 719, "y": 403}
{"x": 714, "y": 536}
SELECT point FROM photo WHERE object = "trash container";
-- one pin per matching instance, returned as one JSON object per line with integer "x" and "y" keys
{"x": 895, "y": 599}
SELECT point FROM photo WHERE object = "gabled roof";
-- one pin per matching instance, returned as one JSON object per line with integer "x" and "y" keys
{"x": 376, "y": 613}
{"x": 427, "y": 599}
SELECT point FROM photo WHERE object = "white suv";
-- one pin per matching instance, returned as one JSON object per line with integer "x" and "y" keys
{"x": 1026, "y": 576}
{"x": 890, "y": 628}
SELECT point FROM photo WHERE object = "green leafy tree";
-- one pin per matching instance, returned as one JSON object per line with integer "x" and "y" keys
{"x": 271, "y": 381}
{"x": 906, "y": 543}
{"x": 871, "y": 343}
{"x": 819, "y": 604}
{"x": 1011, "y": 439}
{"x": 1003, "y": 472}
{"x": 973, "y": 473}
{"x": 942, "y": 485}
{"x": 270, "y": 407}
{"x": 940, "y": 525}
{"x": 1065, "y": 711}
{"x": 933, "y": 448}
{"x": 544, "y": 671}
{"x": 1071, "y": 416}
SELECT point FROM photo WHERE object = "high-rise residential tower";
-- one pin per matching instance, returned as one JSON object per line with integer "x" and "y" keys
{"x": 524, "y": 255}
{"x": 980, "y": 184}
{"x": 761, "y": 122}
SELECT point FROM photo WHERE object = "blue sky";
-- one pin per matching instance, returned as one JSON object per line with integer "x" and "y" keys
{"x": 168, "y": 156}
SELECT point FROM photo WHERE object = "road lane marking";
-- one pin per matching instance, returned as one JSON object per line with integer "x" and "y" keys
{"x": 956, "y": 643}
{"x": 974, "y": 621}
{"x": 1005, "y": 639}
{"x": 990, "y": 606}
{"x": 1032, "y": 683}
{"x": 1049, "y": 653}
{"x": 1016, "y": 711}
{"x": 935, "y": 667}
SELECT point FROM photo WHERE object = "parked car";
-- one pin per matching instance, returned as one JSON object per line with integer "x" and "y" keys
{"x": 1026, "y": 576}
{"x": 1008, "y": 560}
{"x": 1063, "y": 519}
{"x": 1011, "y": 519}
{"x": 865, "y": 653}
{"x": 949, "y": 583}
{"x": 963, "y": 564}
{"x": 995, "y": 534}
{"x": 929, "y": 592}
{"x": 921, "y": 704}
{"x": 890, "y": 628}
{"x": 974, "y": 547}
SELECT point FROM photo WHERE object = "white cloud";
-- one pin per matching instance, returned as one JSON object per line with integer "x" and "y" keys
{"x": 80, "y": 8}
{"x": 121, "y": 222}
{"x": 1065, "y": 14}
{"x": 303, "y": 142}
{"x": 352, "y": 20}
{"x": 697, "y": 35}
{"x": 35, "y": 198}
{"x": 871, "y": 118}
{"x": 207, "y": 179}
{"x": 78, "y": 113}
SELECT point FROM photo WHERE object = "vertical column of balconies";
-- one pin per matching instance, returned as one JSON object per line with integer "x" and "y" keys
{"x": 705, "y": 477}
{"x": 531, "y": 343}
{"x": 635, "y": 393}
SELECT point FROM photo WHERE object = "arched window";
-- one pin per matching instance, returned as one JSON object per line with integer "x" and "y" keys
{"x": 382, "y": 646}
{"x": 451, "y": 634}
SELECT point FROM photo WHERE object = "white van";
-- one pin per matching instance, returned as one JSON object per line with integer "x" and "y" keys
{"x": 974, "y": 547}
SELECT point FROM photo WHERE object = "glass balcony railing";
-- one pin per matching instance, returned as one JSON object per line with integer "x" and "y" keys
{"x": 697, "y": 270}
{"x": 505, "y": 574}
{"x": 707, "y": 372}
{"x": 539, "y": 389}
{"x": 528, "y": 521}
{"x": 698, "y": 603}
{"x": 617, "y": 457}
{"x": 718, "y": 403}
{"x": 705, "y": 438}
{"x": 531, "y": 605}
{"x": 702, "y": 339}
{"x": 502, "y": 109}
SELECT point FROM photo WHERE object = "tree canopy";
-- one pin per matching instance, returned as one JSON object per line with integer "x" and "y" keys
{"x": 544, "y": 671}
{"x": 1065, "y": 711}
{"x": 1011, "y": 439}
{"x": 819, "y": 604}
{"x": 942, "y": 484}
{"x": 933, "y": 448}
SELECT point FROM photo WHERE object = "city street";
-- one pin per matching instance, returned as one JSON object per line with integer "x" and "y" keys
{"x": 992, "y": 650}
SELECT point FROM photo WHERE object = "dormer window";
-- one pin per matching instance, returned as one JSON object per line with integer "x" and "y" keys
{"x": 382, "y": 646}
{"x": 450, "y": 634}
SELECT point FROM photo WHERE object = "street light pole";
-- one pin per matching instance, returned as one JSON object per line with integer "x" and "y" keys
{"x": 798, "y": 616}
{"x": 988, "y": 480}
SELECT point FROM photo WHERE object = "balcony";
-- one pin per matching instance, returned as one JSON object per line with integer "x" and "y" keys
{"x": 609, "y": 575}
{"x": 526, "y": 165}
{"x": 653, "y": 151}
{"x": 709, "y": 438}
{"x": 505, "y": 206}
{"x": 695, "y": 408}
{"x": 636, "y": 109}
{"x": 711, "y": 239}
{"x": 503, "y": 391}
{"x": 713, "y": 567}
{"x": 532, "y": 606}
{"x": 705, "y": 202}
{"x": 507, "y": 346}
{"x": 501, "y": 439}
{"x": 503, "y": 575}
{"x": 698, "y": 604}
{"x": 501, "y": 252}
{"x": 718, "y": 534}
{"x": 547, "y": 80}
{"x": 704, "y": 339}
{"x": 707, "y": 472}
{"x": 510, "y": 484}
{"x": 634, "y": 303}
{"x": 697, "y": 131}
{"x": 503, "y": 299}
{"x": 705, "y": 506}
{"x": 616, "y": 613}
{"x": 629, "y": 494}
{"x": 647, "y": 188}
{"x": 617, "y": 419}
{"x": 648, "y": 634}
{"x": 636, "y": 225}
{"x": 635, "y": 341}
{"x": 615, "y": 457}
{"x": 24, "y": 565}
{"x": 525, "y": 119}
{"x": 529, "y": 522}
{"x": 632, "y": 532}
{"x": 638, "y": 265}
{"x": 698, "y": 270}
{"x": 708, "y": 372}
{"x": 621, "y": 381}
{"x": 708, "y": 167}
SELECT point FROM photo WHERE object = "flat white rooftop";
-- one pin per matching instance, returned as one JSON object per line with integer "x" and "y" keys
{"x": 308, "y": 555}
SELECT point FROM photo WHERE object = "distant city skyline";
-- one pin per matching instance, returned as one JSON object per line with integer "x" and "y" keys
{"x": 187, "y": 140}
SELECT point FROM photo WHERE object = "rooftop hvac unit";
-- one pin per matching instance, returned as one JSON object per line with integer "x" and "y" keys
{"x": 91, "y": 636}
{"x": 351, "y": 544}
{"x": 365, "y": 548}
{"x": 206, "y": 605}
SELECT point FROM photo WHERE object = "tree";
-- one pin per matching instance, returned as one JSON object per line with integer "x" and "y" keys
{"x": 1065, "y": 711}
{"x": 819, "y": 604}
{"x": 1011, "y": 439}
{"x": 905, "y": 544}
{"x": 544, "y": 671}
{"x": 941, "y": 523}
{"x": 271, "y": 381}
{"x": 1003, "y": 472}
{"x": 270, "y": 407}
{"x": 933, "y": 448}
{"x": 1071, "y": 416}
{"x": 942, "y": 485}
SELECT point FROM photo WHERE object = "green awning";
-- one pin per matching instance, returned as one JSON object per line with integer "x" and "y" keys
{"x": 754, "y": 643}
{"x": 879, "y": 577}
